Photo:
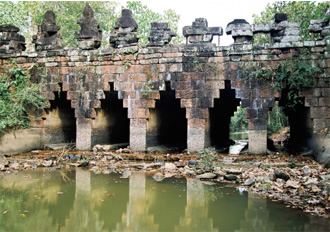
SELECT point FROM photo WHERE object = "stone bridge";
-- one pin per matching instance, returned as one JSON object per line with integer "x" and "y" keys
{"x": 165, "y": 93}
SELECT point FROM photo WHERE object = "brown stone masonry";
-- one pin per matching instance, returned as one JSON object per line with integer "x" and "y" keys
{"x": 197, "y": 72}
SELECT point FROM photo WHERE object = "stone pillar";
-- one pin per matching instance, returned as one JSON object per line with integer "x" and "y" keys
{"x": 198, "y": 134}
{"x": 138, "y": 134}
{"x": 257, "y": 136}
{"x": 84, "y": 133}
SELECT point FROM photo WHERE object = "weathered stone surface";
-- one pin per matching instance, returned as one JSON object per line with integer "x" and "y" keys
{"x": 192, "y": 163}
{"x": 48, "y": 37}
{"x": 230, "y": 177}
{"x": 233, "y": 171}
{"x": 281, "y": 174}
{"x": 10, "y": 40}
{"x": 90, "y": 35}
{"x": 311, "y": 181}
{"x": 281, "y": 30}
{"x": 240, "y": 29}
{"x": 169, "y": 167}
{"x": 199, "y": 32}
{"x": 249, "y": 182}
{"x": 124, "y": 32}
{"x": 321, "y": 26}
{"x": 3, "y": 160}
{"x": 158, "y": 177}
{"x": 160, "y": 34}
{"x": 264, "y": 28}
{"x": 316, "y": 25}
{"x": 257, "y": 141}
{"x": 292, "y": 184}
{"x": 84, "y": 134}
{"x": 207, "y": 176}
{"x": 279, "y": 17}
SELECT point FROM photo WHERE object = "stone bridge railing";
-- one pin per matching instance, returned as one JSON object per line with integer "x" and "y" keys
{"x": 196, "y": 71}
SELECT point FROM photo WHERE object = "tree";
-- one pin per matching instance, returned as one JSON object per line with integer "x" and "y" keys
{"x": 300, "y": 12}
{"x": 239, "y": 121}
{"x": 27, "y": 15}
{"x": 144, "y": 17}
{"x": 67, "y": 13}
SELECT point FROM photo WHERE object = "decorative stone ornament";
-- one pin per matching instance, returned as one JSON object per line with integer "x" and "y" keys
{"x": 160, "y": 34}
{"x": 281, "y": 30}
{"x": 240, "y": 30}
{"x": 48, "y": 37}
{"x": 199, "y": 32}
{"x": 90, "y": 35}
{"x": 321, "y": 26}
{"x": 124, "y": 32}
{"x": 10, "y": 40}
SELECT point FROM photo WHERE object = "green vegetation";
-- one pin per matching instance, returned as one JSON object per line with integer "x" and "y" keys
{"x": 127, "y": 64}
{"x": 292, "y": 163}
{"x": 144, "y": 16}
{"x": 207, "y": 159}
{"x": 289, "y": 77}
{"x": 28, "y": 15}
{"x": 238, "y": 121}
{"x": 277, "y": 120}
{"x": 19, "y": 97}
{"x": 300, "y": 12}
{"x": 147, "y": 88}
{"x": 266, "y": 167}
{"x": 294, "y": 73}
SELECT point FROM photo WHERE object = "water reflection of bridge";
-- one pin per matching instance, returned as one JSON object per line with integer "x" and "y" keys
{"x": 105, "y": 203}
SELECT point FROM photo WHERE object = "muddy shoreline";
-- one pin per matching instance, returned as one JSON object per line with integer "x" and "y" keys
{"x": 297, "y": 181}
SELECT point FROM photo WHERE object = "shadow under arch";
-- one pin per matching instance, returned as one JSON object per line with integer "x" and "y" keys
{"x": 300, "y": 123}
{"x": 111, "y": 124}
{"x": 60, "y": 122}
{"x": 167, "y": 124}
{"x": 220, "y": 116}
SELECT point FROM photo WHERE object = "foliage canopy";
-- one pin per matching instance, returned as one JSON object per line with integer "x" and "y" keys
{"x": 27, "y": 15}
{"x": 300, "y": 12}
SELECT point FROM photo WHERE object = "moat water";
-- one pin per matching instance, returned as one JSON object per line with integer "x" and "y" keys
{"x": 79, "y": 200}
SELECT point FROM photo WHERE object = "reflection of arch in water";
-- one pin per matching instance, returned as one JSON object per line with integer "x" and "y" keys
{"x": 82, "y": 216}
{"x": 167, "y": 201}
{"x": 137, "y": 217}
{"x": 196, "y": 212}
{"x": 256, "y": 215}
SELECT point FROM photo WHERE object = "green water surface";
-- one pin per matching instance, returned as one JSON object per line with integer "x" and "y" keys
{"x": 78, "y": 200}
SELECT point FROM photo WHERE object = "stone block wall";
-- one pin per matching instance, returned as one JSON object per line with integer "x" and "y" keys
{"x": 196, "y": 71}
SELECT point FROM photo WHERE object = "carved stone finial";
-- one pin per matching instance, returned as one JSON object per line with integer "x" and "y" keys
{"x": 10, "y": 40}
{"x": 281, "y": 30}
{"x": 48, "y": 37}
{"x": 240, "y": 30}
{"x": 160, "y": 34}
{"x": 321, "y": 26}
{"x": 90, "y": 35}
{"x": 124, "y": 32}
{"x": 199, "y": 32}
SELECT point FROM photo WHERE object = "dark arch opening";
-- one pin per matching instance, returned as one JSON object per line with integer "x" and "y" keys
{"x": 167, "y": 124}
{"x": 60, "y": 123}
{"x": 220, "y": 116}
{"x": 111, "y": 125}
{"x": 300, "y": 123}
